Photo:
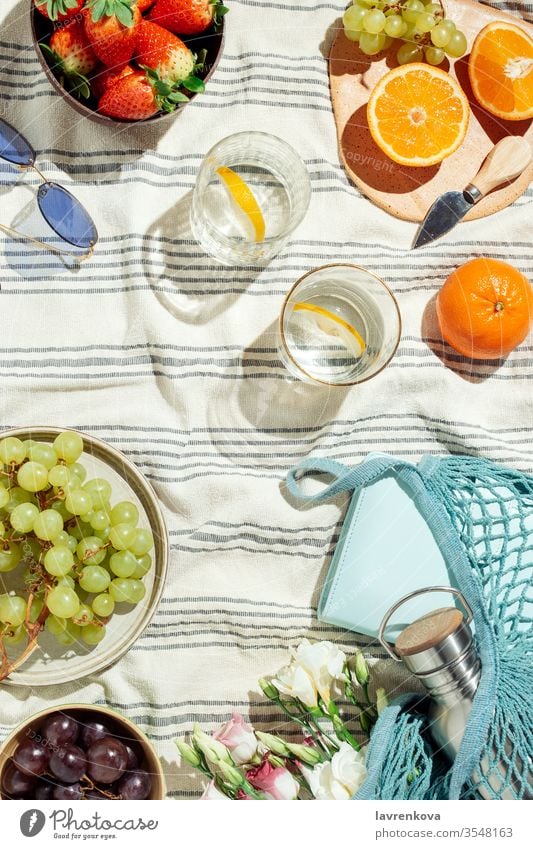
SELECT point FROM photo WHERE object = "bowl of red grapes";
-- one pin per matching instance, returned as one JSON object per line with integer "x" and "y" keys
{"x": 79, "y": 752}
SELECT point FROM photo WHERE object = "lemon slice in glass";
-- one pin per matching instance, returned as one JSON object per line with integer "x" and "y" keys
{"x": 334, "y": 325}
{"x": 244, "y": 202}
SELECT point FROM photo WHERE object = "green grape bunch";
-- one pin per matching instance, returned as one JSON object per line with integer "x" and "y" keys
{"x": 423, "y": 28}
{"x": 76, "y": 554}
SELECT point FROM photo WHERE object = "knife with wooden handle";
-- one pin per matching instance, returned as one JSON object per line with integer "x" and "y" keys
{"x": 505, "y": 162}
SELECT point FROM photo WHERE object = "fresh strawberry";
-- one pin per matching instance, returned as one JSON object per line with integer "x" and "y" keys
{"x": 131, "y": 98}
{"x": 144, "y": 5}
{"x": 104, "y": 78}
{"x": 139, "y": 96}
{"x": 188, "y": 17}
{"x": 72, "y": 47}
{"x": 59, "y": 10}
{"x": 165, "y": 53}
{"x": 111, "y": 27}
{"x": 71, "y": 57}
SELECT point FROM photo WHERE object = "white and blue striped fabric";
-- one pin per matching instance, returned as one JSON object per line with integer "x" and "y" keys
{"x": 172, "y": 359}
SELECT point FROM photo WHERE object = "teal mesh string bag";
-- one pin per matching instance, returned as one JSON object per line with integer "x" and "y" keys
{"x": 481, "y": 515}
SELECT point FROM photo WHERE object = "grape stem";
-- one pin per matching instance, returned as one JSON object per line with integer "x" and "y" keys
{"x": 88, "y": 784}
{"x": 33, "y": 629}
{"x": 422, "y": 39}
{"x": 92, "y": 551}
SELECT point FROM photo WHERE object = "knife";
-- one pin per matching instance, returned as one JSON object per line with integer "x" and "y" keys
{"x": 505, "y": 162}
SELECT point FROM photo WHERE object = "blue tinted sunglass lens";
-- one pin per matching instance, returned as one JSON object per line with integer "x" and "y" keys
{"x": 67, "y": 216}
{"x": 14, "y": 147}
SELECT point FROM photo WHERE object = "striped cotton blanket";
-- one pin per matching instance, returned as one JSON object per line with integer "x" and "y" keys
{"x": 171, "y": 358}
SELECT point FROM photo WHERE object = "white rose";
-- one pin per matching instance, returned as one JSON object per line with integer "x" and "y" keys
{"x": 213, "y": 794}
{"x": 339, "y": 778}
{"x": 314, "y": 668}
{"x": 294, "y": 681}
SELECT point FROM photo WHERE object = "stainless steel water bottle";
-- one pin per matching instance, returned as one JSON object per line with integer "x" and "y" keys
{"x": 439, "y": 649}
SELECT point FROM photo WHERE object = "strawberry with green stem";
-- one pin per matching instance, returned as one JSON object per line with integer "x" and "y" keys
{"x": 188, "y": 17}
{"x": 139, "y": 96}
{"x": 59, "y": 10}
{"x": 167, "y": 55}
{"x": 111, "y": 27}
{"x": 71, "y": 58}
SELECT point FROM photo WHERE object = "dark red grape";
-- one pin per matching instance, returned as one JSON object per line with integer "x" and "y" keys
{"x": 133, "y": 758}
{"x": 92, "y": 732}
{"x": 31, "y": 758}
{"x": 68, "y": 764}
{"x": 60, "y": 730}
{"x": 44, "y": 791}
{"x": 135, "y": 785}
{"x": 107, "y": 760}
{"x": 15, "y": 783}
{"x": 69, "y": 793}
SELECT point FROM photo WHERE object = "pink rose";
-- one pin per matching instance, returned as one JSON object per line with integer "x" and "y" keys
{"x": 275, "y": 782}
{"x": 242, "y": 795}
{"x": 239, "y": 738}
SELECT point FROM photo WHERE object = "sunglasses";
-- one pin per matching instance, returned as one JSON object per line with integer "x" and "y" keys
{"x": 61, "y": 211}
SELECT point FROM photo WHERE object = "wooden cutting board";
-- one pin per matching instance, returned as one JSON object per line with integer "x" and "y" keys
{"x": 409, "y": 192}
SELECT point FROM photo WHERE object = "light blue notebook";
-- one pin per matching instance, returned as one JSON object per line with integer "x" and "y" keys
{"x": 385, "y": 551}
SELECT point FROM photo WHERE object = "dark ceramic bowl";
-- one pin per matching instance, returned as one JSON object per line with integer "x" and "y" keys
{"x": 212, "y": 42}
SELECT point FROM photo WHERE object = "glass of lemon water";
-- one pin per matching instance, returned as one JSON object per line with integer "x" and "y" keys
{"x": 339, "y": 325}
{"x": 251, "y": 193}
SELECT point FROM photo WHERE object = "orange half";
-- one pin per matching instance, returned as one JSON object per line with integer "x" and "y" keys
{"x": 418, "y": 114}
{"x": 501, "y": 71}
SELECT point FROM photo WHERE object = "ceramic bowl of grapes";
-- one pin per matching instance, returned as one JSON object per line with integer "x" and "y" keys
{"x": 83, "y": 555}
{"x": 79, "y": 752}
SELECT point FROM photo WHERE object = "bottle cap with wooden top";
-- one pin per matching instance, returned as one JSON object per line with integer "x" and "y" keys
{"x": 434, "y": 641}
{"x": 439, "y": 649}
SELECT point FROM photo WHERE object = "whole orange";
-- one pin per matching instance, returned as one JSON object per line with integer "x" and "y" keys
{"x": 485, "y": 308}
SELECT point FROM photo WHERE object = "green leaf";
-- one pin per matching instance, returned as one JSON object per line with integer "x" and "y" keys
{"x": 98, "y": 10}
{"x": 55, "y": 62}
{"x": 53, "y": 7}
{"x": 121, "y": 9}
{"x": 79, "y": 86}
{"x": 220, "y": 11}
{"x": 125, "y": 15}
{"x": 162, "y": 88}
{"x": 150, "y": 73}
{"x": 193, "y": 84}
{"x": 200, "y": 60}
{"x": 177, "y": 97}
{"x": 167, "y": 107}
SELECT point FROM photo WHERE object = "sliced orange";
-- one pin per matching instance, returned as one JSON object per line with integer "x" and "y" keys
{"x": 334, "y": 325}
{"x": 418, "y": 114}
{"x": 244, "y": 203}
{"x": 501, "y": 71}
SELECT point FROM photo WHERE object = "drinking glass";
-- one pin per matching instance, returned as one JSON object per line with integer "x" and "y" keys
{"x": 339, "y": 325}
{"x": 271, "y": 183}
